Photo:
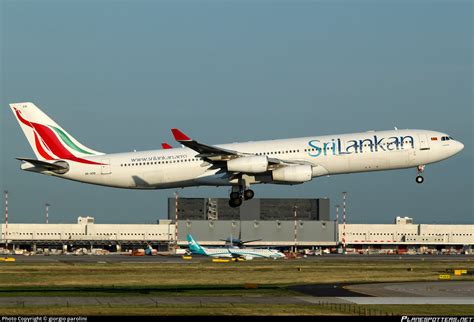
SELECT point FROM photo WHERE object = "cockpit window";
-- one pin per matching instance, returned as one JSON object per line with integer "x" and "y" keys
{"x": 446, "y": 138}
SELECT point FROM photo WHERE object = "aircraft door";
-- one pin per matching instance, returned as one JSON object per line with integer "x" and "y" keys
{"x": 105, "y": 167}
{"x": 423, "y": 139}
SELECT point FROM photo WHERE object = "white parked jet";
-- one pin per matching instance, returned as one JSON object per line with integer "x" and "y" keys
{"x": 285, "y": 161}
{"x": 232, "y": 252}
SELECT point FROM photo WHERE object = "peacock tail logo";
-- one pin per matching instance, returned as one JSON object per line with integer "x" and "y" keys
{"x": 53, "y": 143}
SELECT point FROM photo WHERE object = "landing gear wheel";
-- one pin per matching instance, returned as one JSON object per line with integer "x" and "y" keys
{"x": 234, "y": 195}
{"x": 235, "y": 202}
{"x": 419, "y": 179}
{"x": 248, "y": 194}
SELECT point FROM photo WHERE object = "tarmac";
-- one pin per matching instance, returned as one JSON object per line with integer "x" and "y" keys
{"x": 66, "y": 301}
{"x": 440, "y": 293}
{"x": 446, "y": 292}
{"x": 416, "y": 289}
{"x": 115, "y": 258}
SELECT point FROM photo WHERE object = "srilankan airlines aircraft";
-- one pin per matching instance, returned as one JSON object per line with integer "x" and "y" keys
{"x": 239, "y": 165}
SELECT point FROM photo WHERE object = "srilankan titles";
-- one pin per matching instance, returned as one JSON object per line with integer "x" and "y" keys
{"x": 339, "y": 147}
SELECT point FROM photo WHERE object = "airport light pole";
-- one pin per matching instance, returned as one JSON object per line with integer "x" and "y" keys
{"x": 47, "y": 212}
{"x": 176, "y": 195}
{"x": 295, "y": 209}
{"x": 337, "y": 224}
{"x": 344, "y": 194}
{"x": 6, "y": 219}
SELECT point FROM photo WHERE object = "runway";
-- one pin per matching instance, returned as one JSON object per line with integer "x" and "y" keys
{"x": 65, "y": 301}
{"x": 442, "y": 293}
{"x": 115, "y": 258}
{"x": 458, "y": 292}
{"x": 416, "y": 289}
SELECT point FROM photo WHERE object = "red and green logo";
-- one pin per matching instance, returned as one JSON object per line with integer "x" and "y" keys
{"x": 55, "y": 140}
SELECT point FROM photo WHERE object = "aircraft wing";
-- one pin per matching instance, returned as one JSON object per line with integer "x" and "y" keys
{"x": 205, "y": 151}
{"x": 214, "y": 154}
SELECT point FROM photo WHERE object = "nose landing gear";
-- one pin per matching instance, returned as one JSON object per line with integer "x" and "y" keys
{"x": 419, "y": 171}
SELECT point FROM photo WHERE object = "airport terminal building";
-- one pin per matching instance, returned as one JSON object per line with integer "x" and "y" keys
{"x": 283, "y": 223}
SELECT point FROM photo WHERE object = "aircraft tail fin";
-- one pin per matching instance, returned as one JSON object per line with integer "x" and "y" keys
{"x": 194, "y": 247}
{"x": 166, "y": 146}
{"x": 48, "y": 140}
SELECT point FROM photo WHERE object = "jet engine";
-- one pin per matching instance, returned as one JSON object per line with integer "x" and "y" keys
{"x": 252, "y": 164}
{"x": 293, "y": 174}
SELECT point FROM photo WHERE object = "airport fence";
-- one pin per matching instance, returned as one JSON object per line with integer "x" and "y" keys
{"x": 345, "y": 308}
{"x": 353, "y": 309}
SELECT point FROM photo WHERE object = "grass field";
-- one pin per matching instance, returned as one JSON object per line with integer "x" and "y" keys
{"x": 262, "y": 272}
{"x": 259, "y": 277}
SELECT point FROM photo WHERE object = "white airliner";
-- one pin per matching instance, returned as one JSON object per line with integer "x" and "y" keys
{"x": 232, "y": 252}
{"x": 239, "y": 165}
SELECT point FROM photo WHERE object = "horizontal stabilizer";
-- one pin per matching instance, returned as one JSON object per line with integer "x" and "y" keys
{"x": 47, "y": 166}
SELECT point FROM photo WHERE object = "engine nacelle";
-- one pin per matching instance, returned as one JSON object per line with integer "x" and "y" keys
{"x": 294, "y": 173}
{"x": 253, "y": 164}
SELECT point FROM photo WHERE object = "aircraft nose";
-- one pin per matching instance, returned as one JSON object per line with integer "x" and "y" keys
{"x": 458, "y": 147}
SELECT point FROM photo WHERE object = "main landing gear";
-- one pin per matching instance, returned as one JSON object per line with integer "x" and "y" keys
{"x": 239, "y": 194}
{"x": 419, "y": 170}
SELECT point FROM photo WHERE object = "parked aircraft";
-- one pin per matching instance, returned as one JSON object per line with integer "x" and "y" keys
{"x": 233, "y": 252}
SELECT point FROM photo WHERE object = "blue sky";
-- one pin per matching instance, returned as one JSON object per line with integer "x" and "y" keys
{"x": 118, "y": 75}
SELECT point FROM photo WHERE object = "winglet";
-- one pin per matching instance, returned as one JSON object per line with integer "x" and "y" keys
{"x": 179, "y": 136}
{"x": 166, "y": 146}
